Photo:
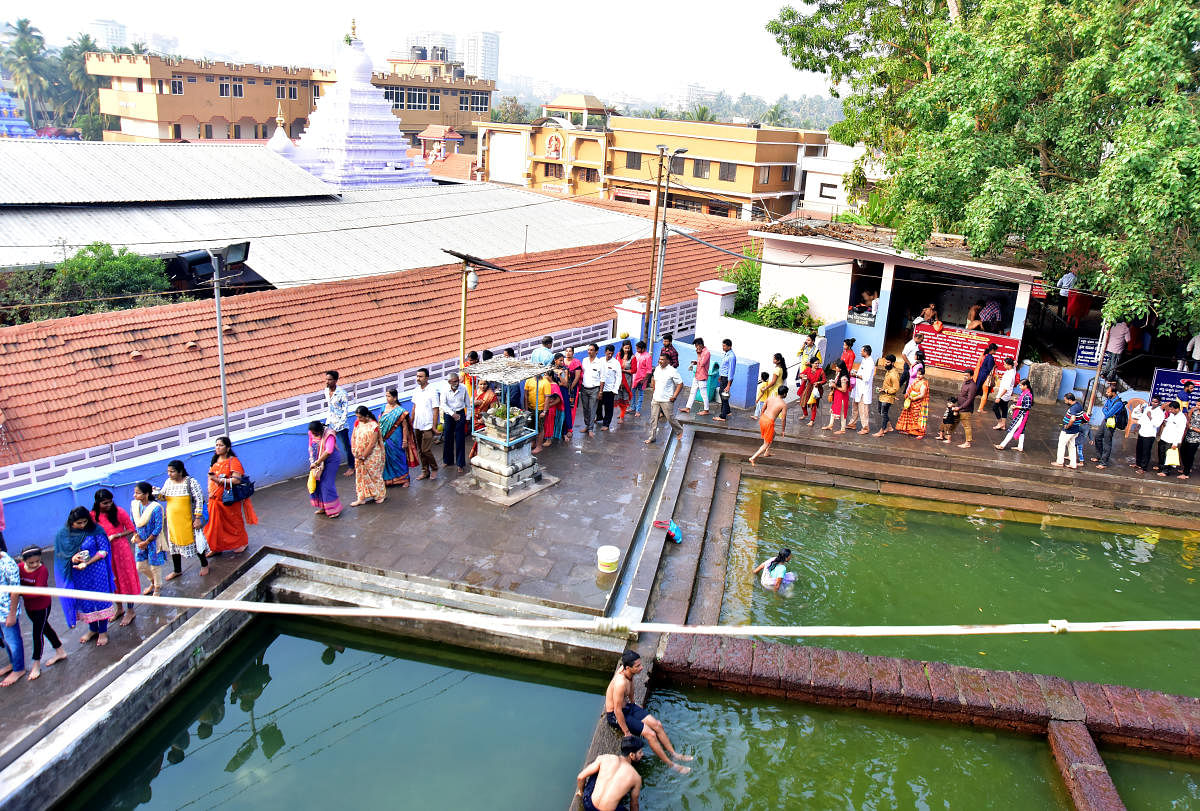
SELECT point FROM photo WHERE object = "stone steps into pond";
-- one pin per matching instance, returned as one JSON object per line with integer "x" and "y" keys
{"x": 997, "y": 483}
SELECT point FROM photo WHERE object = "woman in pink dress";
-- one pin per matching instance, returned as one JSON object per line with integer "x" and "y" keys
{"x": 118, "y": 526}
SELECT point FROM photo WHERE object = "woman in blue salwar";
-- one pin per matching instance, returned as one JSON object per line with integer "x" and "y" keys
{"x": 81, "y": 563}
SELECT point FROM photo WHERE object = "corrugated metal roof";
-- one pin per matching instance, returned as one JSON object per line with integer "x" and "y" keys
{"x": 322, "y": 239}
{"x": 36, "y": 172}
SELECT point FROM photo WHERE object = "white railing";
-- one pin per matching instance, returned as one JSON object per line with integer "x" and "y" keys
{"x": 679, "y": 319}
{"x": 278, "y": 413}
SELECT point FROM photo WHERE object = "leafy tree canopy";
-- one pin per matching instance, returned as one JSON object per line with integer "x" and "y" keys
{"x": 96, "y": 279}
{"x": 1069, "y": 126}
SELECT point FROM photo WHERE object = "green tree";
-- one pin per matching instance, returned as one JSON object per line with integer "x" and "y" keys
{"x": 878, "y": 49}
{"x": 776, "y": 116}
{"x": 95, "y": 279}
{"x": 1074, "y": 127}
{"x": 85, "y": 95}
{"x": 747, "y": 275}
{"x": 511, "y": 111}
{"x": 700, "y": 113}
{"x": 24, "y": 59}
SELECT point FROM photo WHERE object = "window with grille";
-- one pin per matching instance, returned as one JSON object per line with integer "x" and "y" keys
{"x": 435, "y": 102}
{"x": 238, "y": 90}
{"x": 293, "y": 92}
{"x": 787, "y": 174}
{"x": 633, "y": 160}
{"x": 418, "y": 98}
{"x": 395, "y": 95}
{"x": 764, "y": 174}
{"x": 728, "y": 171}
{"x": 464, "y": 102}
{"x": 176, "y": 85}
{"x": 223, "y": 88}
{"x": 676, "y": 166}
{"x": 479, "y": 102}
{"x": 553, "y": 169}
{"x": 280, "y": 92}
{"x": 700, "y": 169}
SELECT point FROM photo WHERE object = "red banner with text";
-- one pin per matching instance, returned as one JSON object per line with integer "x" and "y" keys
{"x": 960, "y": 349}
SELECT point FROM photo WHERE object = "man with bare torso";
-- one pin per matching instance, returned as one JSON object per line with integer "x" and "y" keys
{"x": 621, "y": 713}
{"x": 775, "y": 407}
{"x": 603, "y": 783}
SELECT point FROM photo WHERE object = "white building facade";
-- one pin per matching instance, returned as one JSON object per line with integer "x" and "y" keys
{"x": 480, "y": 54}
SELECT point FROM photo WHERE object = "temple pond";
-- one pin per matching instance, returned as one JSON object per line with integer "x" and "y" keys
{"x": 872, "y": 560}
{"x": 304, "y": 716}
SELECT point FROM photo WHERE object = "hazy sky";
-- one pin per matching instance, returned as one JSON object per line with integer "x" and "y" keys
{"x": 643, "y": 48}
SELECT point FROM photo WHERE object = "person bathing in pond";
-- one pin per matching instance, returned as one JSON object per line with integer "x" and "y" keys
{"x": 603, "y": 783}
{"x": 774, "y": 572}
{"x": 621, "y": 713}
{"x": 774, "y": 409}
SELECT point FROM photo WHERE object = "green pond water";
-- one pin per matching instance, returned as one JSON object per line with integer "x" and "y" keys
{"x": 756, "y": 754}
{"x": 306, "y": 717}
{"x": 902, "y": 562}
{"x": 1151, "y": 782}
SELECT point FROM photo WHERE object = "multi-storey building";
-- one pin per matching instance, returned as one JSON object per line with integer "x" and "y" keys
{"x": 575, "y": 148}
{"x": 109, "y": 34}
{"x": 164, "y": 99}
{"x": 480, "y": 54}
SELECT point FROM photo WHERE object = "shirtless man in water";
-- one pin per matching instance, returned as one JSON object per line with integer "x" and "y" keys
{"x": 621, "y": 713}
{"x": 604, "y": 782}
{"x": 772, "y": 410}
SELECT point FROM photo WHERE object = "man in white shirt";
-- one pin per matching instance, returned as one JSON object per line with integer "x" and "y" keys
{"x": 863, "y": 391}
{"x": 909, "y": 352}
{"x": 592, "y": 368}
{"x": 667, "y": 385}
{"x": 426, "y": 402}
{"x": 612, "y": 383}
{"x": 1149, "y": 418}
{"x": 1171, "y": 436}
{"x": 1004, "y": 393}
{"x": 453, "y": 405}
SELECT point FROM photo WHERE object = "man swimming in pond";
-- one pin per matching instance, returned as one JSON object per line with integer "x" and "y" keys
{"x": 604, "y": 782}
{"x": 621, "y": 713}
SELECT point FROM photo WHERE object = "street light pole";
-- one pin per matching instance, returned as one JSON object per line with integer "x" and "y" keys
{"x": 662, "y": 156}
{"x": 216, "y": 263}
{"x": 662, "y": 255}
{"x": 462, "y": 320}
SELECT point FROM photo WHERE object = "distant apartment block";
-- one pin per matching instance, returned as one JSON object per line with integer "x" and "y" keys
{"x": 480, "y": 54}
{"x": 109, "y": 34}
{"x": 433, "y": 39}
{"x": 164, "y": 99}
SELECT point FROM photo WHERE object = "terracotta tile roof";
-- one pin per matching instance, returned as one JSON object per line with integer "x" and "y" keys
{"x": 456, "y": 166}
{"x": 74, "y": 382}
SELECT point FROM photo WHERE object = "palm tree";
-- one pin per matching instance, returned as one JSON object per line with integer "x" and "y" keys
{"x": 24, "y": 59}
{"x": 776, "y": 116}
{"x": 660, "y": 112}
{"x": 85, "y": 87}
{"x": 700, "y": 113}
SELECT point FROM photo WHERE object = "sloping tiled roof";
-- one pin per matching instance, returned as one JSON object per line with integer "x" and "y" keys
{"x": 76, "y": 382}
{"x": 675, "y": 216}
{"x": 44, "y": 172}
{"x": 362, "y": 233}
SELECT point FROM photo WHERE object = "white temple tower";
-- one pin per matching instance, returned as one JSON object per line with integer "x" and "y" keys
{"x": 353, "y": 141}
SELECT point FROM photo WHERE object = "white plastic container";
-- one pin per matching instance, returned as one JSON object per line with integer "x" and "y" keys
{"x": 607, "y": 558}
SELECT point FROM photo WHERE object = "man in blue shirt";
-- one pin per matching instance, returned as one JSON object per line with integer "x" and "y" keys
{"x": 337, "y": 414}
{"x": 1113, "y": 405}
{"x": 543, "y": 355}
{"x": 725, "y": 380}
{"x": 1071, "y": 426}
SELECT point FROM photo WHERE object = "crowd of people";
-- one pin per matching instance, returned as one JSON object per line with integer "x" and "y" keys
{"x": 108, "y": 552}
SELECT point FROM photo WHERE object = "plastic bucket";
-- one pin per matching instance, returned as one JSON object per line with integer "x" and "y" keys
{"x": 607, "y": 558}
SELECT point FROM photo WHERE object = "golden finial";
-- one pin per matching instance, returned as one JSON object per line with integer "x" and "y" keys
{"x": 353, "y": 28}
{"x": 279, "y": 119}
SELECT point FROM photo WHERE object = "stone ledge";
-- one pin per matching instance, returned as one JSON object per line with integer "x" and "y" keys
{"x": 1082, "y": 768}
{"x": 996, "y": 698}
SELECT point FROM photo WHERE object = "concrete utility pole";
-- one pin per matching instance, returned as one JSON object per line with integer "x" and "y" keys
{"x": 662, "y": 153}
{"x": 216, "y": 263}
{"x": 662, "y": 252}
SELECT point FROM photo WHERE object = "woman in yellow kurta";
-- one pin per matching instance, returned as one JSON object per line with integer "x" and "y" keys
{"x": 185, "y": 517}
{"x": 226, "y": 527}
{"x": 367, "y": 447}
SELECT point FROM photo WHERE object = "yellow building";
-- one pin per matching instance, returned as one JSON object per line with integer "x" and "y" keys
{"x": 559, "y": 153}
{"x": 162, "y": 99}
{"x": 731, "y": 170}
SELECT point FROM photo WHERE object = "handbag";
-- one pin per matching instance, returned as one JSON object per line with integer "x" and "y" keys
{"x": 1172, "y": 458}
{"x": 312, "y": 481}
{"x": 227, "y": 496}
{"x": 244, "y": 489}
{"x": 907, "y": 402}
